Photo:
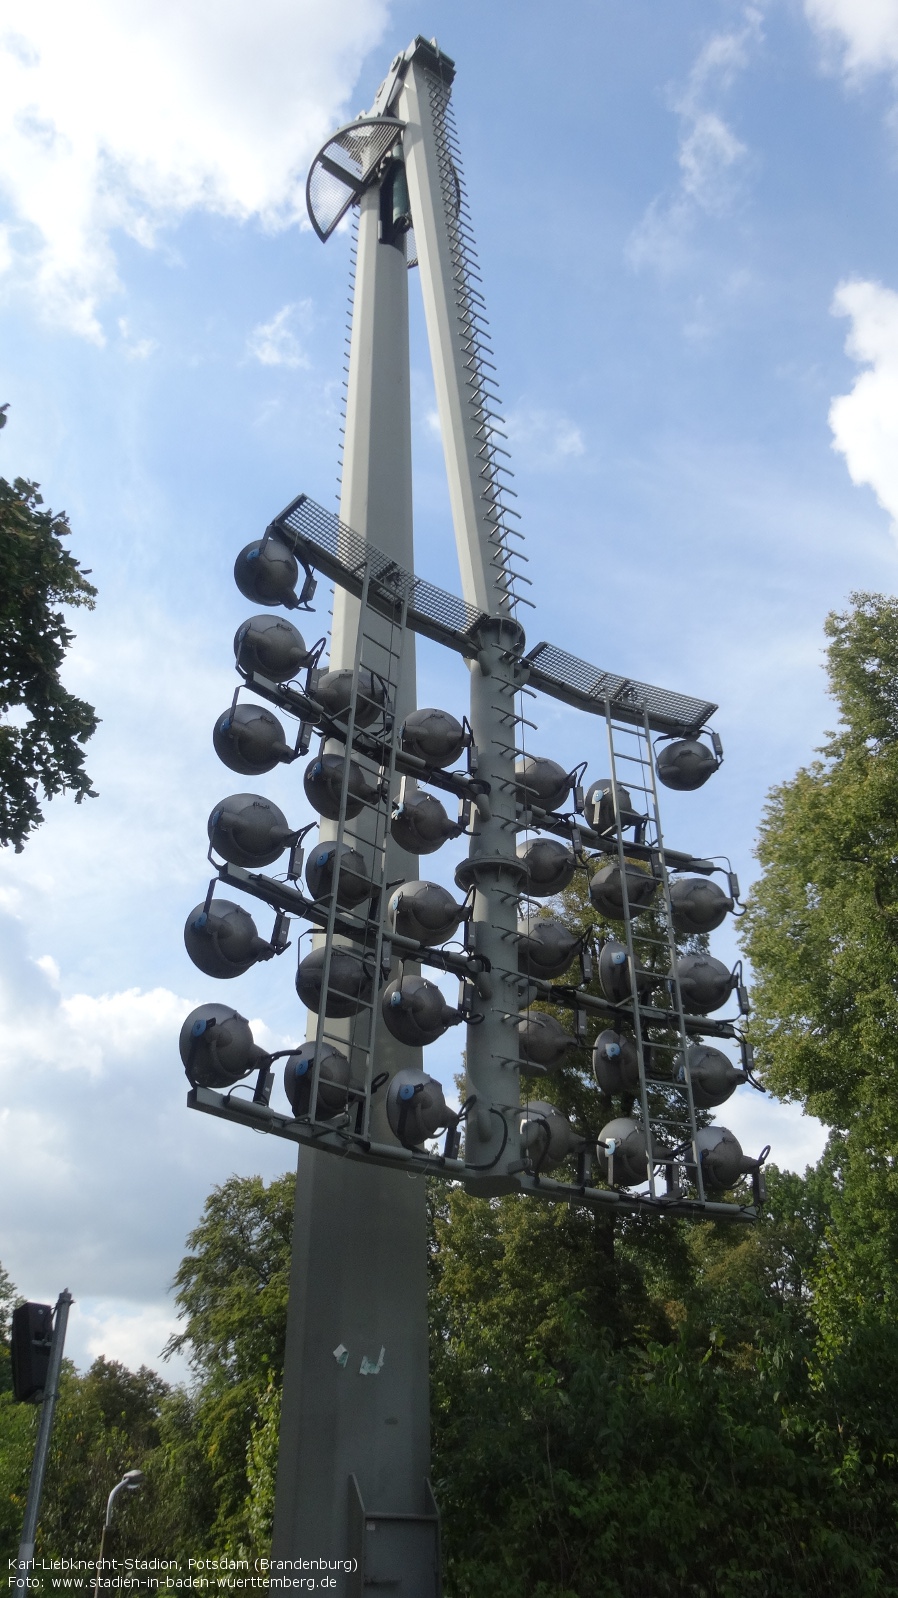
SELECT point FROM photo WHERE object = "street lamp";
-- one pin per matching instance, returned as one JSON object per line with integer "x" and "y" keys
{"x": 132, "y": 1481}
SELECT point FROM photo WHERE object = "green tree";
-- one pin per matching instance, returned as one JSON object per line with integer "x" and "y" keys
{"x": 232, "y": 1293}
{"x": 41, "y": 747}
{"x": 822, "y": 935}
{"x": 107, "y": 1422}
{"x": 822, "y": 924}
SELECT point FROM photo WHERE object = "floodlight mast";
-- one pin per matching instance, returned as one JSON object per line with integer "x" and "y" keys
{"x": 354, "y": 1434}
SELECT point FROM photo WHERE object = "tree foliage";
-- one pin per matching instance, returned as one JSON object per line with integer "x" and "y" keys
{"x": 822, "y": 924}
{"x": 42, "y": 746}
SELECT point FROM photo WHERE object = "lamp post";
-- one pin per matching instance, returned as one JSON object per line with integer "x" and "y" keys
{"x": 131, "y": 1482}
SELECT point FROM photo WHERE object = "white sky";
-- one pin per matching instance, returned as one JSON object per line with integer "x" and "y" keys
{"x": 685, "y": 225}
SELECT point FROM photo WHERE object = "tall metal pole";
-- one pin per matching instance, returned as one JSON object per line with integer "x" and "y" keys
{"x": 359, "y": 1279}
{"x": 42, "y": 1446}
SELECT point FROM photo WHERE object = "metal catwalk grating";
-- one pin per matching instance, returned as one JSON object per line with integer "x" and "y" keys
{"x": 321, "y": 540}
{"x": 588, "y": 688}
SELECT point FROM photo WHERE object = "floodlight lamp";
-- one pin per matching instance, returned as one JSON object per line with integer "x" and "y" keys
{"x": 686, "y": 764}
{"x": 599, "y": 807}
{"x": 722, "y": 1159}
{"x": 249, "y": 739}
{"x": 217, "y": 1048}
{"x": 543, "y": 1040}
{"x": 353, "y": 882}
{"x": 248, "y": 830}
{"x": 615, "y": 1063}
{"x": 698, "y": 905}
{"x": 713, "y": 1076}
{"x": 425, "y": 911}
{"x": 435, "y": 736}
{"x": 271, "y": 646}
{"x": 415, "y": 1012}
{"x": 416, "y": 1108}
{"x": 549, "y": 864}
{"x": 546, "y": 946}
{"x": 266, "y": 572}
{"x": 333, "y": 1080}
{"x": 350, "y": 984}
{"x": 622, "y": 1154}
{"x": 705, "y": 983}
{"x": 333, "y": 691}
{"x": 606, "y": 890}
{"x": 613, "y": 973}
{"x": 547, "y": 1136}
{"x": 542, "y": 782}
{"x": 221, "y": 939}
{"x": 420, "y": 824}
{"x": 323, "y": 784}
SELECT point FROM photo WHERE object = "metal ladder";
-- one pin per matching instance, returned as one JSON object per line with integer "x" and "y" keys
{"x": 633, "y": 770}
{"x": 380, "y": 642}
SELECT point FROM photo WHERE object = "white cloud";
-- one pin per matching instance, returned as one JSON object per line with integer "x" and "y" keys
{"x": 136, "y": 349}
{"x": 275, "y": 343}
{"x": 122, "y": 115}
{"x": 543, "y": 438}
{"x": 865, "y": 30}
{"x": 102, "y": 1171}
{"x": 865, "y": 422}
{"x": 134, "y": 1334}
{"x": 710, "y": 156}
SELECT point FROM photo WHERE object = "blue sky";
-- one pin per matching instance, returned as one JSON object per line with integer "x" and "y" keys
{"x": 685, "y": 222}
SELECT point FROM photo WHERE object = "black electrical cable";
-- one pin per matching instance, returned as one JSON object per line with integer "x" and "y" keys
{"x": 492, "y": 1163}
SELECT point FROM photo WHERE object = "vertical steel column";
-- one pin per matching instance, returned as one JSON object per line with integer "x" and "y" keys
{"x": 452, "y": 330}
{"x": 492, "y": 1135}
{"x": 358, "y": 1279}
{"x": 453, "y": 309}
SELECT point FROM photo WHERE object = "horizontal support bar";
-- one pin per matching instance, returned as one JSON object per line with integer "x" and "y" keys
{"x": 261, "y": 1118}
{"x": 576, "y": 999}
{"x": 281, "y": 896}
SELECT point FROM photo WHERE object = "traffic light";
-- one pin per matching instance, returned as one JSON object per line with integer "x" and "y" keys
{"x": 32, "y": 1333}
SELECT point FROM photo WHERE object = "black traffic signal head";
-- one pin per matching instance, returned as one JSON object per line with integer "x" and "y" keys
{"x": 32, "y": 1330}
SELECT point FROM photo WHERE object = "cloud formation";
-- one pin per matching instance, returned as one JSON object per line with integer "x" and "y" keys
{"x": 276, "y": 343}
{"x": 101, "y": 1170}
{"x": 542, "y": 438}
{"x": 120, "y": 116}
{"x": 710, "y": 156}
{"x": 865, "y": 422}
{"x": 866, "y": 32}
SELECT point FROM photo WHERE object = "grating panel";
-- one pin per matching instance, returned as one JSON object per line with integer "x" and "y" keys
{"x": 343, "y": 167}
{"x": 322, "y": 541}
{"x": 566, "y": 677}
